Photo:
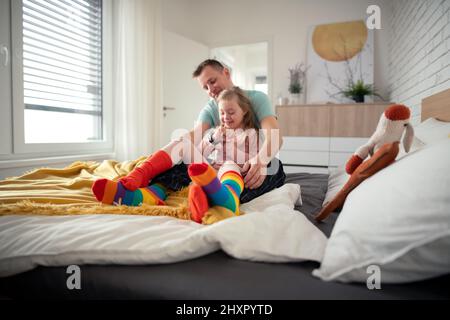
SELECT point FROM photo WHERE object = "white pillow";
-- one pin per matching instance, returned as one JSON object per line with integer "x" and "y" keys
{"x": 432, "y": 131}
{"x": 416, "y": 145}
{"x": 336, "y": 180}
{"x": 398, "y": 219}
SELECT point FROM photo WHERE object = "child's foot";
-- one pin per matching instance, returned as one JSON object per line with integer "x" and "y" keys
{"x": 198, "y": 202}
{"x": 224, "y": 193}
{"x": 111, "y": 192}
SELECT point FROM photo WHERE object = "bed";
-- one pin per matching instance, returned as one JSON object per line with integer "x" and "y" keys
{"x": 217, "y": 275}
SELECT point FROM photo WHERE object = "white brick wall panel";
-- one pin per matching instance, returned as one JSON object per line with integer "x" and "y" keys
{"x": 437, "y": 53}
{"x": 439, "y": 25}
{"x": 441, "y": 87}
{"x": 434, "y": 67}
{"x": 419, "y": 62}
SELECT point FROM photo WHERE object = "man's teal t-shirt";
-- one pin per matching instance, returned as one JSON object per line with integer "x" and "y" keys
{"x": 260, "y": 104}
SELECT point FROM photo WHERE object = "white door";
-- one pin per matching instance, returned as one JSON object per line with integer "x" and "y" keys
{"x": 182, "y": 96}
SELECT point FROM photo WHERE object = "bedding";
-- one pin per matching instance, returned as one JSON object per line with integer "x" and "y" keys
{"x": 67, "y": 191}
{"x": 269, "y": 231}
{"x": 398, "y": 220}
{"x": 337, "y": 179}
{"x": 429, "y": 131}
{"x": 383, "y": 157}
{"x": 217, "y": 275}
{"x": 432, "y": 130}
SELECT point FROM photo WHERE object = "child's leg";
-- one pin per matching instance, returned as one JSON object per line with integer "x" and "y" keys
{"x": 230, "y": 176}
{"x": 106, "y": 190}
{"x": 223, "y": 193}
{"x": 160, "y": 162}
{"x": 155, "y": 164}
{"x": 111, "y": 192}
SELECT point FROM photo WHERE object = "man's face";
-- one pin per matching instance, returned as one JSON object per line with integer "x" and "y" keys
{"x": 214, "y": 81}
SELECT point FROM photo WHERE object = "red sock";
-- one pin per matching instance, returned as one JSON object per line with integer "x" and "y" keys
{"x": 155, "y": 164}
{"x": 198, "y": 202}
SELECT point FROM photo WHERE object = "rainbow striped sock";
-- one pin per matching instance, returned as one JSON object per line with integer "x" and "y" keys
{"x": 224, "y": 192}
{"x": 112, "y": 192}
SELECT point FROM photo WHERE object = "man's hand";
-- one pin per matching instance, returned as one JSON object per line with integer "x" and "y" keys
{"x": 254, "y": 174}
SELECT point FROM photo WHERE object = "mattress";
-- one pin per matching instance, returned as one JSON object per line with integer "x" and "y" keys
{"x": 217, "y": 275}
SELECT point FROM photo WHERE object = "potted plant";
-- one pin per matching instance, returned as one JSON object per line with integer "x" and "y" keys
{"x": 356, "y": 91}
{"x": 355, "y": 88}
{"x": 297, "y": 76}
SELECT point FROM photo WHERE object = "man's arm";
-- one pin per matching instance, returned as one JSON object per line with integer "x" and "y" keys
{"x": 257, "y": 167}
{"x": 271, "y": 131}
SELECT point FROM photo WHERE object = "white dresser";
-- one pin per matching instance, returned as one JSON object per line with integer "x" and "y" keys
{"x": 319, "y": 137}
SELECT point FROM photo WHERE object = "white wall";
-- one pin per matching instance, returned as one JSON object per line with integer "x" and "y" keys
{"x": 419, "y": 51}
{"x": 284, "y": 22}
{"x": 180, "y": 58}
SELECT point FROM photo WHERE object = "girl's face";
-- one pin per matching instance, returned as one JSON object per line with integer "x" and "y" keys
{"x": 231, "y": 114}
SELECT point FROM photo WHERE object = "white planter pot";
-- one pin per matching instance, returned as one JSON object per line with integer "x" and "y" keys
{"x": 295, "y": 98}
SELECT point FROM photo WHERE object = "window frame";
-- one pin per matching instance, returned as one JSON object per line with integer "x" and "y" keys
{"x": 5, "y": 80}
{"x": 18, "y": 106}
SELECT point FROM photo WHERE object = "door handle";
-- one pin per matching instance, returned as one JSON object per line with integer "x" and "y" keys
{"x": 4, "y": 50}
{"x": 168, "y": 108}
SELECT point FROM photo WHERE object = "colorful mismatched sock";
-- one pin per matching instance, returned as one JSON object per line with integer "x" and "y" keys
{"x": 112, "y": 192}
{"x": 155, "y": 164}
{"x": 224, "y": 192}
{"x": 198, "y": 202}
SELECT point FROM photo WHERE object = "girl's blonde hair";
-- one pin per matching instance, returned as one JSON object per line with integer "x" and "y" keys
{"x": 243, "y": 102}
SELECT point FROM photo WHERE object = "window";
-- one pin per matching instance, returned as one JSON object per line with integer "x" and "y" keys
{"x": 61, "y": 76}
{"x": 249, "y": 62}
{"x": 62, "y": 68}
{"x": 261, "y": 84}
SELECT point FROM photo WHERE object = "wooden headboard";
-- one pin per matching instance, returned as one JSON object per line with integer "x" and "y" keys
{"x": 437, "y": 106}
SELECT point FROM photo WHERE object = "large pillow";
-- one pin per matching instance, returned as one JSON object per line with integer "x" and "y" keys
{"x": 432, "y": 131}
{"x": 398, "y": 220}
{"x": 336, "y": 180}
{"x": 428, "y": 132}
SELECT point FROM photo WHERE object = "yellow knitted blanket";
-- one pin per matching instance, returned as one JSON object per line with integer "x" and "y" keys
{"x": 67, "y": 191}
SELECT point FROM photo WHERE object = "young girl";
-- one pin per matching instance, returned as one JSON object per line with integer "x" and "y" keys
{"x": 227, "y": 147}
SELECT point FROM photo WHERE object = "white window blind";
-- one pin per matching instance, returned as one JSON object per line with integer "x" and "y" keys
{"x": 62, "y": 70}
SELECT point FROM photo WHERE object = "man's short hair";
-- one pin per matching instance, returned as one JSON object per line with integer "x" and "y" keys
{"x": 209, "y": 62}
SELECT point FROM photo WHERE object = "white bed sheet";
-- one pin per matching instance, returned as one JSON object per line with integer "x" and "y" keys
{"x": 269, "y": 231}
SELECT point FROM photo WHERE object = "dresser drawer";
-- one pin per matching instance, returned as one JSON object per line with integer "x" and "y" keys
{"x": 312, "y": 158}
{"x": 306, "y": 143}
{"x": 346, "y": 144}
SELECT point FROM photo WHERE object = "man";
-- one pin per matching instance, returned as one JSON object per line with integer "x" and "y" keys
{"x": 164, "y": 167}
{"x": 213, "y": 77}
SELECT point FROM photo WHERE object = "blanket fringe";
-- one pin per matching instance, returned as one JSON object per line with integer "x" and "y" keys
{"x": 67, "y": 191}
{"x": 176, "y": 206}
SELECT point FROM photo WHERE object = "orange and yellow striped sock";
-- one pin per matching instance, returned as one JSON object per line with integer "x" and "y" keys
{"x": 223, "y": 193}
{"x": 112, "y": 192}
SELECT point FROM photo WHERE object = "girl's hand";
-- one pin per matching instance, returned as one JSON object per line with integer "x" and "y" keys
{"x": 218, "y": 134}
{"x": 255, "y": 172}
